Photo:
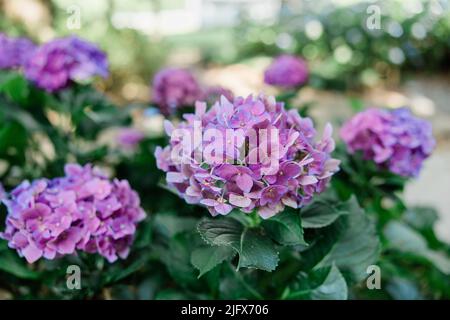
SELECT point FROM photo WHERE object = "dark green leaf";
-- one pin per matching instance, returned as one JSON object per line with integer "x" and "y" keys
{"x": 177, "y": 258}
{"x": 170, "y": 225}
{"x": 358, "y": 245}
{"x": 257, "y": 251}
{"x": 206, "y": 258}
{"x": 15, "y": 86}
{"x": 285, "y": 228}
{"x": 320, "y": 214}
{"x": 119, "y": 272}
{"x": 171, "y": 294}
{"x": 321, "y": 284}
{"x": 254, "y": 249}
{"x": 11, "y": 263}
{"x": 221, "y": 232}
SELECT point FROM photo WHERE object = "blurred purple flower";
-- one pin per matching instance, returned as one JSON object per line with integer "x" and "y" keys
{"x": 175, "y": 88}
{"x": 14, "y": 52}
{"x": 129, "y": 138}
{"x": 81, "y": 211}
{"x": 394, "y": 139}
{"x": 287, "y": 72}
{"x": 53, "y": 65}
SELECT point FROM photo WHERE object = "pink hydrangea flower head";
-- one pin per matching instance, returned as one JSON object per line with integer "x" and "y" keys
{"x": 394, "y": 139}
{"x": 287, "y": 71}
{"x": 82, "y": 210}
{"x": 249, "y": 154}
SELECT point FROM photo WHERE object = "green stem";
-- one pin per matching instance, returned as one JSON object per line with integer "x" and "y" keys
{"x": 255, "y": 219}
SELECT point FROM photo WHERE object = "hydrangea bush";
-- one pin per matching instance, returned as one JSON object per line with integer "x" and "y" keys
{"x": 294, "y": 219}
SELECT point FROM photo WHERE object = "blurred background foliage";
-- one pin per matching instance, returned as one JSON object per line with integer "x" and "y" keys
{"x": 333, "y": 35}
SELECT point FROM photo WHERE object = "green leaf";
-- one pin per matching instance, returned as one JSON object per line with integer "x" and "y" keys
{"x": 11, "y": 263}
{"x": 405, "y": 239}
{"x": 170, "y": 225}
{"x": 421, "y": 218}
{"x": 144, "y": 234}
{"x": 321, "y": 284}
{"x": 177, "y": 258}
{"x": 320, "y": 244}
{"x": 206, "y": 258}
{"x": 358, "y": 245}
{"x": 13, "y": 136}
{"x": 254, "y": 249}
{"x": 285, "y": 228}
{"x": 20, "y": 116}
{"x": 15, "y": 86}
{"x": 118, "y": 272}
{"x": 221, "y": 232}
{"x": 320, "y": 214}
{"x": 257, "y": 251}
{"x": 171, "y": 294}
{"x": 403, "y": 289}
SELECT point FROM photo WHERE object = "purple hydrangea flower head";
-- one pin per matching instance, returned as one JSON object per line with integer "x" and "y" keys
{"x": 244, "y": 172}
{"x": 53, "y": 65}
{"x": 14, "y": 52}
{"x": 394, "y": 139}
{"x": 287, "y": 71}
{"x": 82, "y": 210}
{"x": 175, "y": 88}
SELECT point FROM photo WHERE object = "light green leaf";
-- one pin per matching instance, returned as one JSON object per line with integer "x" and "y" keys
{"x": 285, "y": 228}
{"x": 405, "y": 239}
{"x": 403, "y": 289}
{"x": 206, "y": 258}
{"x": 421, "y": 218}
